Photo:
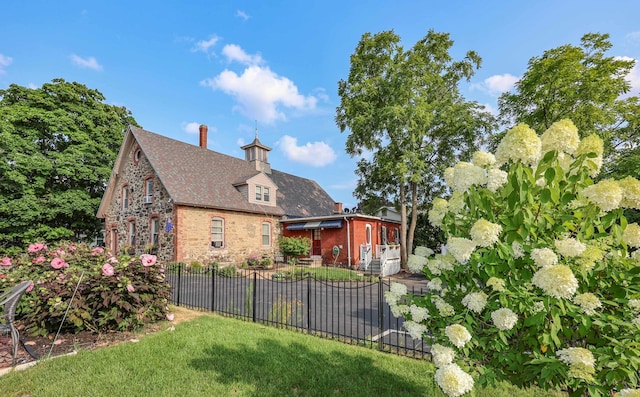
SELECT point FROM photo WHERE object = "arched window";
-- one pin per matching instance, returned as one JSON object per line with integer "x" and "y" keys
{"x": 266, "y": 234}
{"x": 367, "y": 229}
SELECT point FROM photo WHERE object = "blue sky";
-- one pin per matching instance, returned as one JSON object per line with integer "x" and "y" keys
{"x": 234, "y": 64}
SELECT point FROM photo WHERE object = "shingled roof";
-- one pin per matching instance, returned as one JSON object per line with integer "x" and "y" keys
{"x": 199, "y": 177}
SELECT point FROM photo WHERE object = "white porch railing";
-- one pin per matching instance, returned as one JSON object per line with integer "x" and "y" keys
{"x": 366, "y": 256}
{"x": 389, "y": 259}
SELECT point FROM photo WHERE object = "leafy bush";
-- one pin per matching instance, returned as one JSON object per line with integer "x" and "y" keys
{"x": 540, "y": 285}
{"x": 112, "y": 293}
{"x": 227, "y": 271}
{"x": 294, "y": 246}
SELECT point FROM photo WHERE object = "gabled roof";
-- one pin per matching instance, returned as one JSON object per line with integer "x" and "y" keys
{"x": 199, "y": 177}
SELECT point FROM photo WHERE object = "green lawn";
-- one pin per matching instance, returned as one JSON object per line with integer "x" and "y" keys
{"x": 218, "y": 356}
{"x": 327, "y": 273}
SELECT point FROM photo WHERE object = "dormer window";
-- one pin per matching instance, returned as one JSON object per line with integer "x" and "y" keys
{"x": 262, "y": 193}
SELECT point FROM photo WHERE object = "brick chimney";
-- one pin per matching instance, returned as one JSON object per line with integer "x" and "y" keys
{"x": 203, "y": 136}
{"x": 337, "y": 208}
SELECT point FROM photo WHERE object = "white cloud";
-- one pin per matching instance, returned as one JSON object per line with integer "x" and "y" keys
{"x": 4, "y": 62}
{"x": 240, "y": 142}
{"x": 316, "y": 154}
{"x": 234, "y": 52}
{"x": 194, "y": 127}
{"x": 497, "y": 84}
{"x": 88, "y": 63}
{"x": 260, "y": 93}
{"x": 633, "y": 77}
{"x": 242, "y": 15}
{"x": 205, "y": 45}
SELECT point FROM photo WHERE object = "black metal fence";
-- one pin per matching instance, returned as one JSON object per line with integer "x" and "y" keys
{"x": 351, "y": 311}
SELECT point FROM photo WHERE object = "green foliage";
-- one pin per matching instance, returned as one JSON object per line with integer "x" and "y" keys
{"x": 405, "y": 107}
{"x": 294, "y": 246}
{"x": 285, "y": 311}
{"x": 59, "y": 143}
{"x": 227, "y": 271}
{"x": 112, "y": 293}
{"x": 580, "y": 83}
{"x": 539, "y": 272}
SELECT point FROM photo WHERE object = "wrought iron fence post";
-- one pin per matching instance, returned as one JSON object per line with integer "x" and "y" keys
{"x": 179, "y": 284}
{"x": 308, "y": 302}
{"x": 213, "y": 289}
{"x": 255, "y": 295}
{"x": 380, "y": 308}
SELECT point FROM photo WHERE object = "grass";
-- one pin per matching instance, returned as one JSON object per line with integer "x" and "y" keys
{"x": 218, "y": 356}
{"x": 327, "y": 273}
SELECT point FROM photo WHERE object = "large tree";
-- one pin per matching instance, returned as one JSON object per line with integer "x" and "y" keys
{"x": 58, "y": 144}
{"x": 585, "y": 85}
{"x": 405, "y": 108}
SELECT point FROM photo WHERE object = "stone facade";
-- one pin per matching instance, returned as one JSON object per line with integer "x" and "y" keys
{"x": 242, "y": 236}
{"x": 134, "y": 176}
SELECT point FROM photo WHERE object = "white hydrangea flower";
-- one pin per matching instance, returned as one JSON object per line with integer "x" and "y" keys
{"x": 561, "y": 136}
{"x": 483, "y": 159}
{"x": 636, "y": 321}
{"x": 634, "y": 304}
{"x": 606, "y": 194}
{"x": 435, "y": 284}
{"x": 630, "y": 192}
{"x": 466, "y": 175}
{"x": 441, "y": 355}
{"x": 449, "y": 177}
{"x": 453, "y": 380}
{"x": 588, "y": 302}
{"x": 434, "y": 267}
{"x": 484, "y": 233}
{"x": 504, "y": 319}
{"x": 538, "y": 307}
{"x": 437, "y": 212}
{"x": 457, "y": 334}
{"x": 543, "y": 257}
{"x": 556, "y": 280}
{"x": 628, "y": 393}
{"x": 445, "y": 261}
{"x": 398, "y": 289}
{"x": 423, "y": 251}
{"x": 475, "y": 301}
{"x": 569, "y": 247}
{"x": 565, "y": 161}
{"x": 631, "y": 235}
{"x": 456, "y": 202}
{"x": 461, "y": 248}
{"x": 592, "y": 144}
{"x": 518, "y": 250}
{"x": 496, "y": 178}
{"x": 416, "y": 263}
{"x": 415, "y": 330}
{"x": 443, "y": 307}
{"x": 418, "y": 313}
{"x": 576, "y": 355}
{"x": 399, "y": 310}
{"x": 496, "y": 283}
{"x": 520, "y": 143}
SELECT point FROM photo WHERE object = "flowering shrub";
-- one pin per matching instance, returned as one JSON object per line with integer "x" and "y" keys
{"x": 112, "y": 293}
{"x": 540, "y": 284}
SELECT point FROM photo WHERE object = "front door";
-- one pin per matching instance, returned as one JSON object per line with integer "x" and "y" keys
{"x": 316, "y": 248}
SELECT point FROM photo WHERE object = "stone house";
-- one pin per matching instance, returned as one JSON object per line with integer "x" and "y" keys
{"x": 187, "y": 203}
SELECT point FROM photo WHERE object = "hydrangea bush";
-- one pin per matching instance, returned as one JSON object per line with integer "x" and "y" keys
{"x": 113, "y": 293}
{"x": 540, "y": 282}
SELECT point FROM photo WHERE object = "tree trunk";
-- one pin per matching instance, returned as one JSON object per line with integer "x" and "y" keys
{"x": 414, "y": 218}
{"x": 403, "y": 227}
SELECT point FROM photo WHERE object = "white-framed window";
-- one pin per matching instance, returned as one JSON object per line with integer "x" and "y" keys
{"x": 154, "y": 230}
{"x": 217, "y": 232}
{"x": 132, "y": 233}
{"x": 266, "y": 234}
{"x": 125, "y": 197}
{"x": 258, "y": 192}
{"x": 396, "y": 235}
{"x": 265, "y": 194}
{"x": 148, "y": 187}
{"x": 136, "y": 155}
{"x": 367, "y": 233}
{"x": 383, "y": 235}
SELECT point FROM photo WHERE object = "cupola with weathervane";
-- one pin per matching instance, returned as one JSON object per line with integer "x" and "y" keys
{"x": 258, "y": 154}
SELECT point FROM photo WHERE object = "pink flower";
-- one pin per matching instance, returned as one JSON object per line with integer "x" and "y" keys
{"x": 39, "y": 259}
{"x": 6, "y": 261}
{"x": 130, "y": 288}
{"x": 58, "y": 263}
{"x": 30, "y": 287}
{"x": 148, "y": 260}
{"x": 107, "y": 270}
{"x": 113, "y": 259}
{"x": 60, "y": 252}
{"x": 36, "y": 247}
{"x": 170, "y": 317}
{"x": 72, "y": 247}
{"x": 2, "y": 275}
{"x": 97, "y": 251}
